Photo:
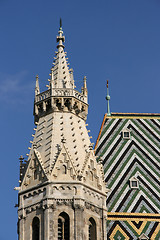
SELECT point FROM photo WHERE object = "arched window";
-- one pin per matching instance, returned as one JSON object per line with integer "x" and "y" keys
{"x": 35, "y": 228}
{"x": 63, "y": 226}
{"x": 64, "y": 169}
{"x": 91, "y": 175}
{"x": 92, "y": 229}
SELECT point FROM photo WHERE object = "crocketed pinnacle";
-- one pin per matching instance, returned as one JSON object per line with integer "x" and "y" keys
{"x": 61, "y": 76}
{"x": 37, "y": 89}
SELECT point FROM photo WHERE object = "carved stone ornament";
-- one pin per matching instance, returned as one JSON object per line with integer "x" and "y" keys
{"x": 92, "y": 208}
{"x": 67, "y": 202}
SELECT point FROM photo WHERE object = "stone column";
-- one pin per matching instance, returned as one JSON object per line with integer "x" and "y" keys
{"x": 21, "y": 228}
{"x": 79, "y": 221}
{"x": 21, "y": 223}
{"x": 48, "y": 220}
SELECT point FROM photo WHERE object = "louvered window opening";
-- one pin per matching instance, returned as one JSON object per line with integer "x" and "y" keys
{"x": 63, "y": 227}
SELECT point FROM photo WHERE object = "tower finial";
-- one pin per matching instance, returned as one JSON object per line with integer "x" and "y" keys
{"x": 60, "y": 38}
{"x": 108, "y": 98}
{"x": 60, "y": 23}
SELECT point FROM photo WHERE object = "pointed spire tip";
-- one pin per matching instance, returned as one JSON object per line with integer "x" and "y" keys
{"x": 60, "y": 38}
{"x": 60, "y": 22}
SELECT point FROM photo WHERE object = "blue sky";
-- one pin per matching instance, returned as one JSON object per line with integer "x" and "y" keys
{"x": 105, "y": 39}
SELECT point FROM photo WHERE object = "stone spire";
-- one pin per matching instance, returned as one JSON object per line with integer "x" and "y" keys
{"x": 61, "y": 76}
{"x": 61, "y": 93}
{"x": 60, "y": 113}
{"x": 108, "y": 98}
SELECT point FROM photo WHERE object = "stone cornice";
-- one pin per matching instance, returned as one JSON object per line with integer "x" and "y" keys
{"x": 51, "y": 203}
{"x": 65, "y": 183}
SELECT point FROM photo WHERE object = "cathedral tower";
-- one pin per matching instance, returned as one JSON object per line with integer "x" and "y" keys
{"x": 62, "y": 193}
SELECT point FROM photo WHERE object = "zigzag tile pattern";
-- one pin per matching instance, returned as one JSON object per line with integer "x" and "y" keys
{"x": 137, "y": 156}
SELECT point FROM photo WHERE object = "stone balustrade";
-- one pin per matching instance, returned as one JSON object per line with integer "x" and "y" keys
{"x": 57, "y": 92}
